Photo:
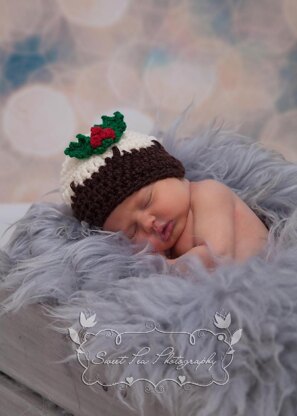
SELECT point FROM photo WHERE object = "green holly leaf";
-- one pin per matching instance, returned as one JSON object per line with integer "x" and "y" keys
{"x": 83, "y": 150}
{"x": 116, "y": 122}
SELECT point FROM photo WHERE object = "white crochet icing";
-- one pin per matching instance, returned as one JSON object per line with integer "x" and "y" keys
{"x": 78, "y": 170}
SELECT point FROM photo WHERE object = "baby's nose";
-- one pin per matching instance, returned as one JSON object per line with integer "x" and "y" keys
{"x": 150, "y": 224}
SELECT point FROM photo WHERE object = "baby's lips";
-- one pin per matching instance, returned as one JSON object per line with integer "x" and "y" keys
{"x": 168, "y": 230}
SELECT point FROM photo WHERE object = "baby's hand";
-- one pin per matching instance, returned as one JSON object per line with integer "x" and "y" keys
{"x": 204, "y": 255}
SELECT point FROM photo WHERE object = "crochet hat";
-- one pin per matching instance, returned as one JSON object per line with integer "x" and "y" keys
{"x": 103, "y": 169}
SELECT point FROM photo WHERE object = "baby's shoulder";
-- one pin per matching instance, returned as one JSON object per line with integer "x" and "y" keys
{"x": 210, "y": 189}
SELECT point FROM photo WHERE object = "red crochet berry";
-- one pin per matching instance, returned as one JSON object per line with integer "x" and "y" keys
{"x": 98, "y": 134}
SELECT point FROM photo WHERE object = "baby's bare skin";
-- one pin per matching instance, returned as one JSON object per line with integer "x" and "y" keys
{"x": 206, "y": 217}
{"x": 250, "y": 234}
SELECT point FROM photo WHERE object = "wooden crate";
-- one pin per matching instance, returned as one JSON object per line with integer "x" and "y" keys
{"x": 16, "y": 400}
{"x": 29, "y": 351}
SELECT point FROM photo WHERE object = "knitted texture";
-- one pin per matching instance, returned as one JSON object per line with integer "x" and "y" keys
{"x": 99, "y": 195}
{"x": 78, "y": 170}
{"x": 102, "y": 170}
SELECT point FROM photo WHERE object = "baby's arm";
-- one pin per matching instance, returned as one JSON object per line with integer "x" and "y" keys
{"x": 213, "y": 206}
{"x": 200, "y": 251}
{"x": 214, "y": 217}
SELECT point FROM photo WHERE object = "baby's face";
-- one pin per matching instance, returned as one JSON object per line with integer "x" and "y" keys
{"x": 156, "y": 213}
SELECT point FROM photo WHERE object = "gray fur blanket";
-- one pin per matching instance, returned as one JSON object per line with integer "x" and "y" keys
{"x": 221, "y": 343}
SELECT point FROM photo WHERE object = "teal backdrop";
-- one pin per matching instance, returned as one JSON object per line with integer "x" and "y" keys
{"x": 63, "y": 63}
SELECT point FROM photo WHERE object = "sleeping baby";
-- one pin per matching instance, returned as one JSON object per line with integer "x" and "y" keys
{"x": 121, "y": 180}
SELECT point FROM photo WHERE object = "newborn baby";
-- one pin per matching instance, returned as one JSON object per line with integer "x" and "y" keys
{"x": 180, "y": 217}
{"x": 121, "y": 180}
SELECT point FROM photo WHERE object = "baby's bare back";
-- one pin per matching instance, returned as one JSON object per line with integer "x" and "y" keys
{"x": 250, "y": 232}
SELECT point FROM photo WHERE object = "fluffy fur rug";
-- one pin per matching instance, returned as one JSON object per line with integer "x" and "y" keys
{"x": 52, "y": 258}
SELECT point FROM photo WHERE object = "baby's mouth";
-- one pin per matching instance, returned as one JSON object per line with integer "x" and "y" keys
{"x": 167, "y": 230}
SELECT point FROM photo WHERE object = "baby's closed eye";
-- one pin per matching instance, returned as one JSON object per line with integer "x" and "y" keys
{"x": 149, "y": 200}
{"x": 133, "y": 231}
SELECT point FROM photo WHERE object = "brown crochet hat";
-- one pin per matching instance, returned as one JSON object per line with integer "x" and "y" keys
{"x": 103, "y": 169}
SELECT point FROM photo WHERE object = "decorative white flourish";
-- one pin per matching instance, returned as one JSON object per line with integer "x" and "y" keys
{"x": 236, "y": 336}
{"x": 220, "y": 321}
{"x": 74, "y": 335}
{"x": 129, "y": 380}
{"x": 87, "y": 322}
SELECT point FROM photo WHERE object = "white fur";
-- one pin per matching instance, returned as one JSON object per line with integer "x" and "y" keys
{"x": 53, "y": 259}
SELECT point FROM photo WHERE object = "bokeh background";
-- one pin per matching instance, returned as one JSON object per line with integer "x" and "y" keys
{"x": 64, "y": 63}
